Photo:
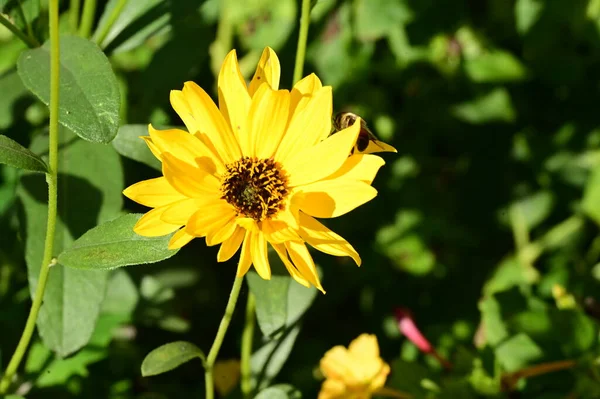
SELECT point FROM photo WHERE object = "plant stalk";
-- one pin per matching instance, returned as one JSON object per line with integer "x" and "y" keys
{"x": 52, "y": 180}
{"x": 247, "y": 338}
{"x": 302, "y": 38}
{"x": 216, "y": 346}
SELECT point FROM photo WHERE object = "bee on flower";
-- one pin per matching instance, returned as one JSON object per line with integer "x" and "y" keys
{"x": 259, "y": 170}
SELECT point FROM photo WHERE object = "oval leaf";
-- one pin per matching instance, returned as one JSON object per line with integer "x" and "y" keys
{"x": 280, "y": 391}
{"x": 115, "y": 244}
{"x": 15, "y": 155}
{"x": 170, "y": 356}
{"x": 89, "y": 93}
{"x": 280, "y": 302}
{"x": 129, "y": 144}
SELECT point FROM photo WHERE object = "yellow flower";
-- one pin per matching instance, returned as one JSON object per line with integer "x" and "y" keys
{"x": 257, "y": 170}
{"x": 353, "y": 373}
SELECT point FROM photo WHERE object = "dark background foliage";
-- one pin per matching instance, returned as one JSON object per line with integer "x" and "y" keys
{"x": 492, "y": 202}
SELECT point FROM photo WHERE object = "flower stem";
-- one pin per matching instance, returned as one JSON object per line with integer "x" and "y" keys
{"x": 214, "y": 350}
{"x": 511, "y": 379}
{"x": 52, "y": 180}
{"x": 302, "y": 37}
{"x": 247, "y": 337}
{"x": 74, "y": 9}
{"x": 29, "y": 41}
{"x": 111, "y": 21}
{"x": 87, "y": 19}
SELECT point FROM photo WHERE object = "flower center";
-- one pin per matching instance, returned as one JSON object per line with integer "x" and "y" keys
{"x": 255, "y": 187}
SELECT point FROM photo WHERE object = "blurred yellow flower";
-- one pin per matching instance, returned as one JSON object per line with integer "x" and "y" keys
{"x": 353, "y": 373}
{"x": 258, "y": 169}
{"x": 226, "y": 374}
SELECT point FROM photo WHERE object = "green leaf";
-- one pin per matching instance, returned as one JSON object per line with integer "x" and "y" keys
{"x": 268, "y": 361}
{"x": 129, "y": 144}
{"x": 280, "y": 302}
{"x": 135, "y": 23}
{"x": 12, "y": 89}
{"x": 90, "y": 182}
{"x": 170, "y": 356}
{"x": 533, "y": 209}
{"x": 15, "y": 155}
{"x": 89, "y": 93}
{"x": 517, "y": 352}
{"x": 279, "y": 391}
{"x": 375, "y": 19}
{"x": 527, "y": 12}
{"x": 278, "y": 21}
{"x": 591, "y": 196}
{"x": 31, "y": 10}
{"x": 495, "y": 106}
{"x": 495, "y": 66}
{"x": 115, "y": 244}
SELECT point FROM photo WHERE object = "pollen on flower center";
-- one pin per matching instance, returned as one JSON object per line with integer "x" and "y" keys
{"x": 255, "y": 187}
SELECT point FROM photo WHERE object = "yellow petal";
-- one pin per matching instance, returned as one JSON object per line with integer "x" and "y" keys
{"x": 304, "y": 262}
{"x": 246, "y": 256}
{"x": 181, "y": 211}
{"x": 231, "y": 245}
{"x": 325, "y": 240}
{"x": 234, "y": 100}
{"x": 188, "y": 180}
{"x": 185, "y": 147}
{"x": 361, "y": 167}
{"x": 364, "y": 345}
{"x": 268, "y": 70}
{"x": 282, "y": 252}
{"x": 333, "y": 198}
{"x": 334, "y": 389}
{"x": 378, "y": 146}
{"x": 304, "y": 90}
{"x": 153, "y": 148}
{"x": 210, "y": 122}
{"x": 153, "y": 193}
{"x": 308, "y": 126}
{"x": 259, "y": 255}
{"x": 279, "y": 232}
{"x": 210, "y": 218}
{"x": 222, "y": 234}
{"x": 267, "y": 121}
{"x": 336, "y": 363}
{"x": 150, "y": 224}
{"x": 322, "y": 160}
{"x": 180, "y": 239}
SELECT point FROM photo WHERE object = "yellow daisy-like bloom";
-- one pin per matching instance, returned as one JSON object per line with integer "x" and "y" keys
{"x": 258, "y": 169}
{"x": 353, "y": 373}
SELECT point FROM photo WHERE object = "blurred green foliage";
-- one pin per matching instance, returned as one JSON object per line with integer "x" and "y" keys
{"x": 490, "y": 207}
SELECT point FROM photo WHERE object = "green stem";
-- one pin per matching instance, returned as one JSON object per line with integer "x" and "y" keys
{"x": 222, "y": 44}
{"x": 214, "y": 350}
{"x": 74, "y": 10}
{"x": 29, "y": 41}
{"x": 52, "y": 179}
{"x": 25, "y": 21}
{"x": 247, "y": 338}
{"x": 87, "y": 19}
{"x": 302, "y": 37}
{"x": 112, "y": 18}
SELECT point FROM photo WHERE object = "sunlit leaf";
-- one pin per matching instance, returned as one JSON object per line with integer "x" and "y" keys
{"x": 12, "y": 90}
{"x": 495, "y": 66}
{"x": 170, "y": 356}
{"x": 377, "y": 18}
{"x": 517, "y": 352}
{"x": 89, "y": 93}
{"x": 495, "y": 106}
{"x": 115, "y": 244}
